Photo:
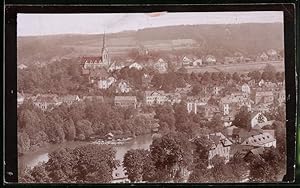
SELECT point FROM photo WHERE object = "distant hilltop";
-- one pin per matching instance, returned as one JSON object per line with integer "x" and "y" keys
{"x": 220, "y": 40}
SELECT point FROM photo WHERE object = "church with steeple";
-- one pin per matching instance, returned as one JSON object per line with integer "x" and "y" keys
{"x": 95, "y": 62}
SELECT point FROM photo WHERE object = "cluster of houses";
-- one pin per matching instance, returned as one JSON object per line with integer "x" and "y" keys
{"x": 242, "y": 143}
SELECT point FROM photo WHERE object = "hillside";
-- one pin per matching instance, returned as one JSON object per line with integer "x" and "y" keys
{"x": 219, "y": 40}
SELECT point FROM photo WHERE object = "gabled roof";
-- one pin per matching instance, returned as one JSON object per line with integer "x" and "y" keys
{"x": 255, "y": 114}
{"x": 217, "y": 138}
{"x": 259, "y": 140}
{"x": 150, "y": 93}
{"x": 68, "y": 98}
{"x": 244, "y": 134}
{"x": 263, "y": 124}
{"x": 91, "y": 59}
{"x": 126, "y": 98}
{"x": 47, "y": 98}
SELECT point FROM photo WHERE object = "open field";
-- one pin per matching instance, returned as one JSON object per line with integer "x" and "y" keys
{"x": 246, "y": 67}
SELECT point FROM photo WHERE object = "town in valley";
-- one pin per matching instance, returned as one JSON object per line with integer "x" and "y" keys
{"x": 208, "y": 118}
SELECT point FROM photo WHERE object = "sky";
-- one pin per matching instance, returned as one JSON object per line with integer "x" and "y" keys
{"x": 48, "y": 24}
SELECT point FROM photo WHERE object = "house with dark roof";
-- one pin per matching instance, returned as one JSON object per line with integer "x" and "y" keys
{"x": 94, "y": 62}
{"x": 220, "y": 146}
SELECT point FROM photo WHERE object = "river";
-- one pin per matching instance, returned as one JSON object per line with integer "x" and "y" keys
{"x": 140, "y": 142}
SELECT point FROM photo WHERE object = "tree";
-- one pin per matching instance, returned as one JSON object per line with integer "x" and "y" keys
{"x": 202, "y": 146}
{"x": 260, "y": 171}
{"x": 134, "y": 162}
{"x": 239, "y": 166}
{"x": 242, "y": 118}
{"x": 171, "y": 154}
{"x": 196, "y": 89}
{"x": 70, "y": 130}
{"x": 269, "y": 73}
{"x": 216, "y": 123}
{"x": 222, "y": 76}
{"x": 84, "y": 127}
{"x": 94, "y": 164}
{"x": 236, "y": 77}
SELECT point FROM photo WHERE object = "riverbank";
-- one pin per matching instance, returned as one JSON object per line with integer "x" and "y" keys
{"x": 34, "y": 158}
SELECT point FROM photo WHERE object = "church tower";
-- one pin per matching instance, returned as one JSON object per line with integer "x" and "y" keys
{"x": 104, "y": 53}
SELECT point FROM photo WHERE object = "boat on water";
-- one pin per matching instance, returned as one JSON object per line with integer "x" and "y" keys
{"x": 112, "y": 142}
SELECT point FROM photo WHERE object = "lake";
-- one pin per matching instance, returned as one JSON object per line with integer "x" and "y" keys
{"x": 34, "y": 158}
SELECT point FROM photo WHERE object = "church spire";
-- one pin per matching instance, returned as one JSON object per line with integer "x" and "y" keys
{"x": 103, "y": 42}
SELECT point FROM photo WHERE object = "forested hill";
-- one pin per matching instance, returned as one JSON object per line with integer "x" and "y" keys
{"x": 250, "y": 38}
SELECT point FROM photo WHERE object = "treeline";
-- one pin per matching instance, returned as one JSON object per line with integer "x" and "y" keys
{"x": 60, "y": 77}
{"x": 173, "y": 158}
{"x": 76, "y": 122}
{"x": 176, "y": 118}
{"x": 64, "y": 77}
{"x": 84, "y": 164}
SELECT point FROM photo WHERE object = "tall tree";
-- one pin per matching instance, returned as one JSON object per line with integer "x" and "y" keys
{"x": 134, "y": 162}
{"x": 242, "y": 118}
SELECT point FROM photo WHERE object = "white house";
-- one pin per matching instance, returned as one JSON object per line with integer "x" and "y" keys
{"x": 106, "y": 83}
{"x": 69, "y": 99}
{"x": 261, "y": 83}
{"x": 136, "y": 65}
{"x": 46, "y": 102}
{"x": 123, "y": 87}
{"x": 114, "y": 66}
{"x": 186, "y": 61}
{"x": 161, "y": 66}
{"x": 22, "y": 66}
{"x": 246, "y": 88}
{"x": 20, "y": 99}
{"x": 257, "y": 118}
{"x": 261, "y": 140}
{"x": 155, "y": 97}
{"x": 263, "y": 57}
{"x": 210, "y": 59}
{"x": 197, "y": 62}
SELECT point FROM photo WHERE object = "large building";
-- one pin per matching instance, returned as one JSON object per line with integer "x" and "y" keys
{"x": 155, "y": 97}
{"x": 93, "y": 62}
{"x": 220, "y": 146}
{"x": 125, "y": 101}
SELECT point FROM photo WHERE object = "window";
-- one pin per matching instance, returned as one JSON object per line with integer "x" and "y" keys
{"x": 254, "y": 140}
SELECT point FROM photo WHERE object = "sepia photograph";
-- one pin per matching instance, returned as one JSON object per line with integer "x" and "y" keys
{"x": 156, "y": 97}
